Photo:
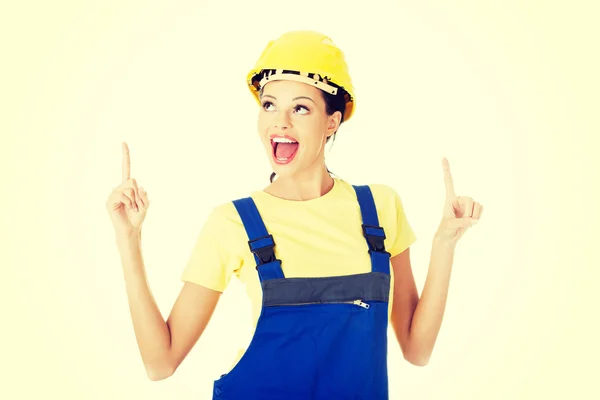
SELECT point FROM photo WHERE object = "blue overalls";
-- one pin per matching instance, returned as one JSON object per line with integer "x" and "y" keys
{"x": 321, "y": 338}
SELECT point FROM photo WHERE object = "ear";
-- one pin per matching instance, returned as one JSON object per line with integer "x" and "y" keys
{"x": 333, "y": 123}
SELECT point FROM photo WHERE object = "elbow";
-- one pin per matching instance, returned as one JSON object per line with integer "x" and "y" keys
{"x": 417, "y": 352}
{"x": 158, "y": 375}
{"x": 418, "y": 361}
{"x": 418, "y": 357}
{"x": 159, "y": 372}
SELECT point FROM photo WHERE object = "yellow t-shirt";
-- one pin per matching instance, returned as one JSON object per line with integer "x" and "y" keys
{"x": 314, "y": 238}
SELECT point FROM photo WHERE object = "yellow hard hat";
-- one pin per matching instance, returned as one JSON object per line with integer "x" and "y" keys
{"x": 308, "y": 57}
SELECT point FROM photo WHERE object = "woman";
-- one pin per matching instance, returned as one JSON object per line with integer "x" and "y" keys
{"x": 325, "y": 264}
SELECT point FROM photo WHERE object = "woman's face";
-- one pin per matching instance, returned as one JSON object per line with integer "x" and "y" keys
{"x": 293, "y": 126}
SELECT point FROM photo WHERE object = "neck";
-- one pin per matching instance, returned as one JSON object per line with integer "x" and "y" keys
{"x": 305, "y": 185}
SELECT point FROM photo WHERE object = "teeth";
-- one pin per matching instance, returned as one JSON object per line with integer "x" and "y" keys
{"x": 283, "y": 140}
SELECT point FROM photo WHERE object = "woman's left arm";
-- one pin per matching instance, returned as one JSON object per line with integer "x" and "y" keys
{"x": 417, "y": 321}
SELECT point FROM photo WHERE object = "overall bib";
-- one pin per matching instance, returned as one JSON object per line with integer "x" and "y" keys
{"x": 321, "y": 338}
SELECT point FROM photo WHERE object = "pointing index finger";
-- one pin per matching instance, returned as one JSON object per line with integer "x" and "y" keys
{"x": 450, "y": 194}
{"x": 126, "y": 165}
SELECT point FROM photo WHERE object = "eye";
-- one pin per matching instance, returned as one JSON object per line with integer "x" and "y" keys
{"x": 266, "y": 104}
{"x": 297, "y": 108}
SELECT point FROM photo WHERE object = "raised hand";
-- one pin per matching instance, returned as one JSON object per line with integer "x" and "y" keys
{"x": 459, "y": 213}
{"x": 127, "y": 204}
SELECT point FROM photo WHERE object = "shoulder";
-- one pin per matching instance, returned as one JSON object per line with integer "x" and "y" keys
{"x": 392, "y": 217}
{"x": 387, "y": 201}
{"x": 222, "y": 212}
{"x": 384, "y": 195}
{"x": 222, "y": 219}
{"x": 383, "y": 192}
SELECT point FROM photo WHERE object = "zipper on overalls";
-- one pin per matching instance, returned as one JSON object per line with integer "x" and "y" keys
{"x": 361, "y": 303}
{"x": 358, "y": 302}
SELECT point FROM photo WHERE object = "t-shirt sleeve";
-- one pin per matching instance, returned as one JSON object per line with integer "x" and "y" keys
{"x": 212, "y": 261}
{"x": 405, "y": 236}
{"x": 399, "y": 233}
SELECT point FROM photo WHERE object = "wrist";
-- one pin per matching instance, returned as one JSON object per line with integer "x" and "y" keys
{"x": 128, "y": 238}
{"x": 443, "y": 245}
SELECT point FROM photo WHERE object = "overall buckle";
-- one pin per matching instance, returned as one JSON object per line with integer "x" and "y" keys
{"x": 265, "y": 250}
{"x": 375, "y": 236}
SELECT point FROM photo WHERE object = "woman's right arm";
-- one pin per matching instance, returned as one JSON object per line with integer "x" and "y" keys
{"x": 163, "y": 345}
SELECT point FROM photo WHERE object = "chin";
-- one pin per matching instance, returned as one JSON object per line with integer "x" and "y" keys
{"x": 283, "y": 171}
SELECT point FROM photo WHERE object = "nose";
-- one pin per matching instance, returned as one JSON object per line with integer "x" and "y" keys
{"x": 281, "y": 120}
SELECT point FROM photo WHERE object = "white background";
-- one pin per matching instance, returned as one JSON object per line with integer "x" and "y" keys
{"x": 508, "y": 91}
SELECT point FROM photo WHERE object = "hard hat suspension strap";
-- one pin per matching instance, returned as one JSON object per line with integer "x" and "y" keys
{"x": 308, "y": 78}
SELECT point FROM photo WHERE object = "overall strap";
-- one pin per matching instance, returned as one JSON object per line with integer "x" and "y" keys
{"x": 374, "y": 234}
{"x": 261, "y": 243}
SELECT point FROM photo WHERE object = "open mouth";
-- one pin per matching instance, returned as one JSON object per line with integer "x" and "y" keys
{"x": 284, "y": 148}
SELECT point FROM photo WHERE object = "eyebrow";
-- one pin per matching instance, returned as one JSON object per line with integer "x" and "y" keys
{"x": 294, "y": 99}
